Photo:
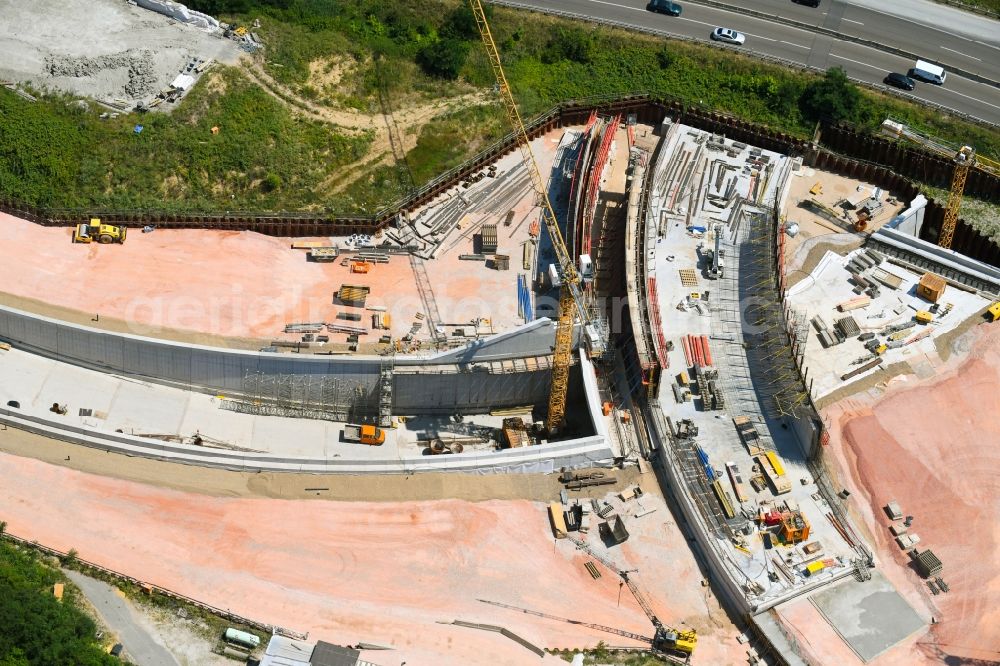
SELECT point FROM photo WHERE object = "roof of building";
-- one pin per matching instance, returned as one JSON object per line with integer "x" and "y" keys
{"x": 283, "y": 651}
{"x": 327, "y": 654}
{"x": 933, "y": 281}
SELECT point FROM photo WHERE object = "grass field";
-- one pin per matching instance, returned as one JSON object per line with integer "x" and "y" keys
{"x": 289, "y": 147}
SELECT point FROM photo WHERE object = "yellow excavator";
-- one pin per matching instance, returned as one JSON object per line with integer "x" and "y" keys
{"x": 96, "y": 230}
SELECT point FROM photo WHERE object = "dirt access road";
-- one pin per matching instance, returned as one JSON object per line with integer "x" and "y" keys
{"x": 394, "y": 133}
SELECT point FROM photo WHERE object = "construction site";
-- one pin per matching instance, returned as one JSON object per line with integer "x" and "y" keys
{"x": 630, "y": 347}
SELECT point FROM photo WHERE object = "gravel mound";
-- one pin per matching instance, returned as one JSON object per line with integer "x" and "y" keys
{"x": 138, "y": 63}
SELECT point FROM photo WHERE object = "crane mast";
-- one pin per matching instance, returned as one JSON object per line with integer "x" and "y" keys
{"x": 570, "y": 295}
{"x": 965, "y": 158}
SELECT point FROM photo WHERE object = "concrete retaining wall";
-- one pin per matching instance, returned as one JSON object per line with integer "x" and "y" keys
{"x": 467, "y": 381}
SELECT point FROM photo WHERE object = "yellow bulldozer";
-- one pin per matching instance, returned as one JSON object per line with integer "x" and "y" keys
{"x": 95, "y": 230}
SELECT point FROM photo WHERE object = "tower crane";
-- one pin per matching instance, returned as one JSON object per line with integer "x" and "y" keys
{"x": 570, "y": 293}
{"x": 964, "y": 158}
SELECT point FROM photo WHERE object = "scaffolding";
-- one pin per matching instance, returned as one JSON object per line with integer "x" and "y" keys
{"x": 322, "y": 397}
{"x": 427, "y": 297}
{"x": 385, "y": 389}
{"x": 771, "y": 343}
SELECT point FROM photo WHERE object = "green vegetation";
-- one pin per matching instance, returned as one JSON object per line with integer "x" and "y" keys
{"x": 263, "y": 157}
{"x": 983, "y": 216}
{"x": 989, "y": 5}
{"x": 37, "y": 628}
{"x": 443, "y": 143}
{"x": 365, "y": 54}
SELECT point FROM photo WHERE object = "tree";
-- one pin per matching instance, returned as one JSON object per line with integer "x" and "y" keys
{"x": 832, "y": 98}
{"x": 38, "y": 629}
{"x": 664, "y": 57}
{"x": 271, "y": 182}
{"x": 444, "y": 58}
{"x": 461, "y": 22}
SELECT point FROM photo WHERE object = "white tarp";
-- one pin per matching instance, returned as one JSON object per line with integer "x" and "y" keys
{"x": 176, "y": 10}
{"x": 183, "y": 82}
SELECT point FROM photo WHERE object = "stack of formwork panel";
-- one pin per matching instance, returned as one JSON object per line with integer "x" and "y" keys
{"x": 353, "y": 295}
{"x": 488, "y": 239}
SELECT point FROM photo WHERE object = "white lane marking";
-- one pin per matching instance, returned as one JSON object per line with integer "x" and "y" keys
{"x": 989, "y": 45}
{"x": 750, "y": 34}
{"x": 852, "y": 21}
{"x": 681, "y": 18}
{"x": 972, "y": 98}
{"x": 613, "y": 4}
{"x": 961, "y": 54}
{"x": 856, "y": 62}
{"x": 798, "y": 46}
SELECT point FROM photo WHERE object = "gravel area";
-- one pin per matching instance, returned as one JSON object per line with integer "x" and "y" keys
{"x": 105, "y": 49}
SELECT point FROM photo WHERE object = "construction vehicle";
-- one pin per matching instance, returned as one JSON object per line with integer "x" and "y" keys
{"x": 366, "y": 434}
{"x": 964, "y": 158}
{"x": 570, "y": 291}
{"x": 665, "y": 641}
{"x": 670, "y": 653}
{"x": 97, "y": 230}
{"x": 993, "y": 312}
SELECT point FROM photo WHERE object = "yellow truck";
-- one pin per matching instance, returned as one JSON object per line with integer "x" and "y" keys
{"x": 100, "y": 232}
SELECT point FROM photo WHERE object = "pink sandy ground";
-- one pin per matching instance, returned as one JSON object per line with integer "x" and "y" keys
{"x": 235, "y": 284}
{"x": 933, "y": 447}
{"x": 360, "y": 571}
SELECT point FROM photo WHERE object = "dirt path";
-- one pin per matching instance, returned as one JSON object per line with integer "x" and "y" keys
{"x": 409, "y": 121}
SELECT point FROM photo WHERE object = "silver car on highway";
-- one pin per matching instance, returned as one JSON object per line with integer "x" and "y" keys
{"x": 728, "y": 36}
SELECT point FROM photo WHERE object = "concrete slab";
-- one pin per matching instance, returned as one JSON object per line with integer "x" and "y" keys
{"x": 828, "y": 285}
{"x": 870, "y": 616}
{"x": 678, "y": 210}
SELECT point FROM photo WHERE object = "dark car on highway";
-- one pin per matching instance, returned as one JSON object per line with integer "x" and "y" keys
{"x": 807, "y": 3}
{"x": 664, "y": 7}
{"x": 900, "y": 81}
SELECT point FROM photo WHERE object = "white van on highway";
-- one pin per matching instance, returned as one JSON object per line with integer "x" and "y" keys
{"x": 928, "y": 72}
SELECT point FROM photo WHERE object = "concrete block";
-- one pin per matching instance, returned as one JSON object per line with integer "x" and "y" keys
{"x": 897, "y": 530}
{"x": 893, "y": 510}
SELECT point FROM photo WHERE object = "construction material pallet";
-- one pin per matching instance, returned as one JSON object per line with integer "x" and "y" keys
{"x": 353, "y": 295}
{"x": 748, "y": 435}
{"x": 689, "y": 278}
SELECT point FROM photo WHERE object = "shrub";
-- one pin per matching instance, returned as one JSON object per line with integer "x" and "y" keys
{"x": 572, "y": 43}
{"x": 444, "y": 58}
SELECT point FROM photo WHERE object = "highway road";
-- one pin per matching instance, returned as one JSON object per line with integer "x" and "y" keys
{"x": 117, "y": 613}
{"x": 968, "y": 42}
